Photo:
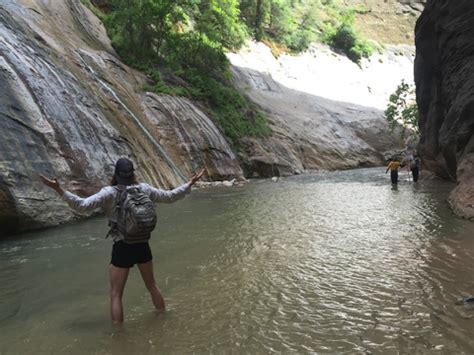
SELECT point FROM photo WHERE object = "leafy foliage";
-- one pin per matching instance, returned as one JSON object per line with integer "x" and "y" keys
{"x": 140, "y": 29}
{"x": 237, "y": 117}
{"x": 219, "y": 21}
{"x": 296, "y": 24}
{"x": 402, "y": 109}
{"x": 339, "y": 32}
{"x": 291, "y": 23}
{"x": 188, "y": 37}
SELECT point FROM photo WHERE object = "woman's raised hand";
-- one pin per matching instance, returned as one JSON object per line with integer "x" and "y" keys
{"x": 52, "y": 183}
{"x": 196, "y": 176}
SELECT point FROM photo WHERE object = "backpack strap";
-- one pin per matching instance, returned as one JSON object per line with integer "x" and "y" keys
{"x": 119, "y": 199}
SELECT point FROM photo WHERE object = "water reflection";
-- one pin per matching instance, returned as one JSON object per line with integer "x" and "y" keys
{"x": 335, "y": 262}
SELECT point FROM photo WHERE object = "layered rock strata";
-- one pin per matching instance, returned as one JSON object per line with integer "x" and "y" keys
{"x": 69, "y": 108}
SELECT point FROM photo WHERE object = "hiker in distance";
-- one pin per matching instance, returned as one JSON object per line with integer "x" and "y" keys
{"x": 129, "y": 207}
{"x": 393, "y": 166}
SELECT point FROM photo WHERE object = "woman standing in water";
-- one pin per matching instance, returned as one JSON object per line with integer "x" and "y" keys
{"x": 126, "y": 252}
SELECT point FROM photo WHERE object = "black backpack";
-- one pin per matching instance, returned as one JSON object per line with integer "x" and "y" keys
{"x": 136, "y": 215}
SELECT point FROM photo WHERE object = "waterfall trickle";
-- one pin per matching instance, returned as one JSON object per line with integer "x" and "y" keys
{"x": 201, "y": 142}
{"x": 145, "y": 131}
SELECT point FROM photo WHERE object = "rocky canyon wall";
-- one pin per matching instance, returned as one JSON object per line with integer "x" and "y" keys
{"x": 444, "y": 75}
{"x": 69, "y": 108}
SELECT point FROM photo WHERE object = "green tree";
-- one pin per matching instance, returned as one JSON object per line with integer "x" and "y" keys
{"x": 219, "y": 21}
{"x": 259, "y": 19}
{"x": 185, "y": 40}
{"x": 140, "y": 28}
{"x": 252, "y": 13}
{"x": 403, "y": 110}
{"x": 289, "y": 22}
{"x": 340, "y": 34}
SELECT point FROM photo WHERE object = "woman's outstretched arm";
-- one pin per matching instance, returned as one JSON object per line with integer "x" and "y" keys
{"x": 52, "y": 183}
{"x": 78, "y": 203}
{"x": 168, "y": 196}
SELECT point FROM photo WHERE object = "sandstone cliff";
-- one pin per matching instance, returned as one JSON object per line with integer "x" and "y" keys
{"x": 388, "y": 21}
{"x": 69, "y": 108}
{"x": 444, "y": 74}
{"x": 325, "y": 111}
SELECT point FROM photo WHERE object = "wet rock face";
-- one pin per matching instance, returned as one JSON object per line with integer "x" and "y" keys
{"x": 69, "y": 108}
{"x": 444, "y": 75}
{"x": 311, "y": 132}
{"x": 8, "y": 212}
{"x": 190, "y": 137}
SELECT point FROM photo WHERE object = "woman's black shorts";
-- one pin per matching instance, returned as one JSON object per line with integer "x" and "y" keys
{"x": 126, "y": 255}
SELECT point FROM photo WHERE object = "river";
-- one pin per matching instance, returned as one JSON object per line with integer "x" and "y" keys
{"x": 330, "y": 263}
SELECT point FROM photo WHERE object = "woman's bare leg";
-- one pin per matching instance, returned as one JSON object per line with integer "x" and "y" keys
{"x": 118, "y": 278}
{"x": 146, "y": 270}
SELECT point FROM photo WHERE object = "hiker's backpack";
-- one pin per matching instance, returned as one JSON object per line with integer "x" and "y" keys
{"x": 136, "y": 215}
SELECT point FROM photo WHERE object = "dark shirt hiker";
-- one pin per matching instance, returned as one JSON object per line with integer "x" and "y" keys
{"x": 415, "y": 168}
{"x": 125, "y": 255}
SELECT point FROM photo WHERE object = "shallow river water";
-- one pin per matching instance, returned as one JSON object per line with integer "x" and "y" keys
{"x": 328, "y": 263}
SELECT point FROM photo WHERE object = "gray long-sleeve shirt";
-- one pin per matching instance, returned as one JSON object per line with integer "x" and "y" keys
{"x": 107, "y": 196}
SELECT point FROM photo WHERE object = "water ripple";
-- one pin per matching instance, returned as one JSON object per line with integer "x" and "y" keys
{"x": 326, "y": 263}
